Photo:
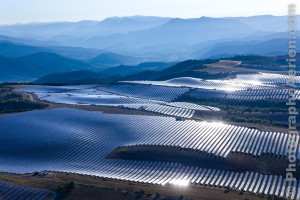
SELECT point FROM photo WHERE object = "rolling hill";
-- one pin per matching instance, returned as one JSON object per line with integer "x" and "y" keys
{"x": 13, "y": 50}
{"x": 75, "y": 77}
{"x": 273, "y": 47}
{"x": 15, "y": 70}
{"x": 125, "y": 70}
{"x": 144, "y": 70}
{"x": 69, "y": 32}
{"x": 112, "y": 59}
{"x": 203, "y": 69}
{"x": 31, "y": 67}
{"x": 52, "y": 63}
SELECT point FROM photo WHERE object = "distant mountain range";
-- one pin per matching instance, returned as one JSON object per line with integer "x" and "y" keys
{"x": 273, "y": 47}
{"x": 112, "y": 59}
{"x": 36, "y": 65}
{"x": 11, "y": 48}
{"x": 153, "y": 38}
{"x": 128, "y": 47}
{"x": 61, "y": 31}
{"x": 27, "y": 63}
{"x": 127, "y": 70}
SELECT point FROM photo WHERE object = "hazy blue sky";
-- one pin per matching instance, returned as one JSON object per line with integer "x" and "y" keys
{"x": 22, "y": 11}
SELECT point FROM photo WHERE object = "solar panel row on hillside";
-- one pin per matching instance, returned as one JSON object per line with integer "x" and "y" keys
{"x": 226, "y": 85}
{"x": 145, "y": 91}
{"x": 16, "y": 192}
{"x": 267, "y": 78}
{"x": 82, "y": 143}
{"x": 93, "y": 96}
{"x": 278, "y": 94}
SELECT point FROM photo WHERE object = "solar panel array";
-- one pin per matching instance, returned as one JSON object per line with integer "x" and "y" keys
{"x": 177, "y": 109}
{"x": 220, "y": 139}
{"x": 109, "y": 100}
{"x": 243, "y": 87}
{"x": 241, "y": 82}
{"x": 145, "y": 91}
{"x": 276, "y": 94}
{"x": 95, "y": 96}
{"x": 267, "y": 78}
{"x": 227, "y": 85}
{"x": 138, "y": 91}
{"x": 193, "y": 106}
{"x": 170, "y": 110}
{"x": 9, "y": 191}
{"x": 81, "y": 144}
{"x": 46, "y": 89}
{"x": 162, "y": 173}
{"x": 214, "y": 138}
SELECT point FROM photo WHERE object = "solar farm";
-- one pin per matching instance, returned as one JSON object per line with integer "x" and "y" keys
{"x": 273, "y": 94}
{"x": 156, "y": 99}
{"x": 241, "y": 81}
{"x": 95, "y": 139}
{"x": 170, "y": 143}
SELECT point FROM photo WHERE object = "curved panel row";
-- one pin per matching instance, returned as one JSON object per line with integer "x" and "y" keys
{"x": 267, "y": 78}
{"x": 15, "y": 192}
{"x": 102, "y": 133}
{"x": 145, "y": 91}
{"x": 276, "y": 94}
{"x": 177, "y": 174}
{"x": 39, "y": 140}
{"x": 227, "y": 85}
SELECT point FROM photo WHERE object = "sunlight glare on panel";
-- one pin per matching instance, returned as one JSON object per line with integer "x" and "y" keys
{"x": 180, "y": 182}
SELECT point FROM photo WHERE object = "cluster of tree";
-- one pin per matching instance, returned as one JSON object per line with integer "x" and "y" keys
{"x": 261, "y": 62}
{"x": 64, "y": 190}
{"x": 16, "y": 103}
{"x": 255, "y": 120}
{"x": 236, "y": 105}
{"x": 235, "y": 108}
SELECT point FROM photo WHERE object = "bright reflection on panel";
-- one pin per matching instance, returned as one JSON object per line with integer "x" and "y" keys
{"x": 234, "y": 84}
{"x": 179, "y": 182}
{"x": 217, "y": 123}
{"x": 230, "y": 89}
{"x": 254, "y": 82}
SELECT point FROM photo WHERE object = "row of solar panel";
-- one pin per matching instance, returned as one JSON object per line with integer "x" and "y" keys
{"x": 43, "y": 141}
{"x": 223, "y": 85}
{"x": 267, "y": 78}
{"x": 170, "y": 110}
{"x": 15, "y": 192}
{"x": 220, "y": 139}
{"x": 279, "y": 94}
{"x": 145, "y": 91}
{"x": 178, "y": 174}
